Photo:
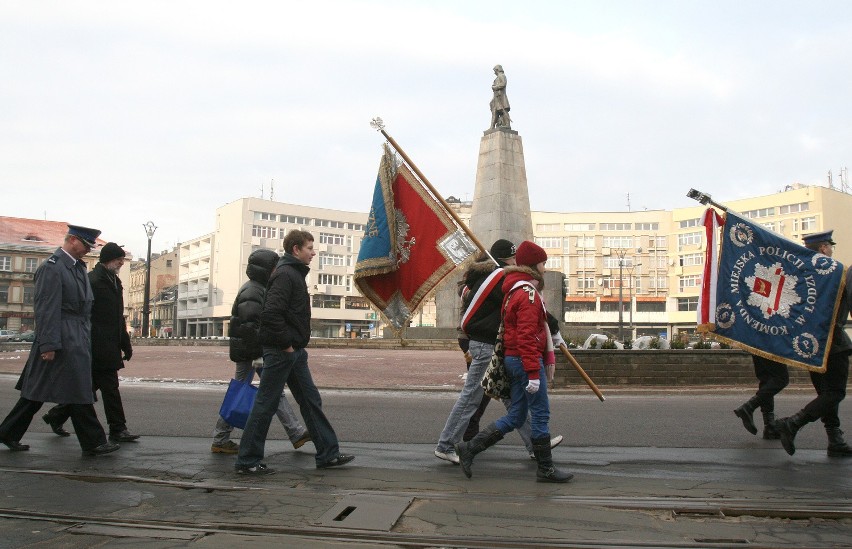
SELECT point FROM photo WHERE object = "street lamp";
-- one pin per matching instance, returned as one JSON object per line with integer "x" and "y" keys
{"x": 620, "y": 253}
{"x": 149, "y": 230}
{"x": 630, "y": 288}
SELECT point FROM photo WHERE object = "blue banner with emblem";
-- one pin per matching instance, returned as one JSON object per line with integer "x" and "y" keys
{"x": 774, "y": 297}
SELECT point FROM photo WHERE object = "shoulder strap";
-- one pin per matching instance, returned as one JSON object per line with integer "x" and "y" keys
{"x": 481, "y": 294}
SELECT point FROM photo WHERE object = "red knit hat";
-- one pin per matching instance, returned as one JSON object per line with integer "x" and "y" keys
{"x": 530, "y": 254}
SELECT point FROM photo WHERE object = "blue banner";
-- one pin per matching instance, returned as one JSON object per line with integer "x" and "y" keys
{"x": 774, "y": 297}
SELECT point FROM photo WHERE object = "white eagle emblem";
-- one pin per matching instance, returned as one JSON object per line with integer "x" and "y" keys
{"x": 772, "y": 291}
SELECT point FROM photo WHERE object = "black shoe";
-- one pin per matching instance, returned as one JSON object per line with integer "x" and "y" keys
{"x": 341, "y": 459}
{"x": 255, "y": 470}
{"x": 14, "y": 445}
{"x": 124, "y": 436}
{"x": 104, "y": 448}
{"x": 55, "y": 427}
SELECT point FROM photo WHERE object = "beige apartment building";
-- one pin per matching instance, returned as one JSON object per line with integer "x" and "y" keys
{"x": 627, "y": 274}
{"x": 212, "y": 267}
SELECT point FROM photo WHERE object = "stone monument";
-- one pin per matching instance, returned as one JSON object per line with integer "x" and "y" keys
{"x": 501, "y": 203}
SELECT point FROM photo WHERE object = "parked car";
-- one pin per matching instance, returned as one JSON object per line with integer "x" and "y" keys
{"x": 29, "y": 335}
{"x": 7, "y": 335}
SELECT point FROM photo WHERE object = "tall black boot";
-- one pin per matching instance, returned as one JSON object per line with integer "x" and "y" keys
{"x": 485, "y": 438}
{"x": 745, "y": 413}
{"x": 837, "y": 446}
{"x": 769, "y": 432}
{"x": 788, "y": 427}
{"x": 546, "y": 470}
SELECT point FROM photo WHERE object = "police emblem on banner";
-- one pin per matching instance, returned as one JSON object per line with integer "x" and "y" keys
{"x": 775, "y": 298}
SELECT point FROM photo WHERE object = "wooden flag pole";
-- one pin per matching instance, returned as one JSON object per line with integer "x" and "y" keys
{"x": 582, "y": 372}
{"x": 379, "y": 125}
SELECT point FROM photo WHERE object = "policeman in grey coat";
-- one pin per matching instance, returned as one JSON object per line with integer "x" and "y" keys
{"x": 59, "y": 368}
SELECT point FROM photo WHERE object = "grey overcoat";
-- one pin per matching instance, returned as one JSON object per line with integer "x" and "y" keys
{"x": 63, "y": 305}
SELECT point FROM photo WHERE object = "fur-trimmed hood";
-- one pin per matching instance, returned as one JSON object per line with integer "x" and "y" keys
{"x": 514, "y": 273}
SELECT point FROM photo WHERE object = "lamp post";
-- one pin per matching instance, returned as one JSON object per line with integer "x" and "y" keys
{"x": 149, "y": 230}
{"x": 630, "y": 294}
{"x": 621, "y": 254}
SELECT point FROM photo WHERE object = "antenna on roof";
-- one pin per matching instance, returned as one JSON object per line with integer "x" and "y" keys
{"x": 628, "y": 202}
{"x": 272, "y": 190}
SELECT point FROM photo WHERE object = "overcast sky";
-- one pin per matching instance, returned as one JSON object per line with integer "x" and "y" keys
{"x": 113, "y": 113}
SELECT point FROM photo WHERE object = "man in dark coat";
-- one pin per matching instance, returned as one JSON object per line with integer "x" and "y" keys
{"x": 285, "y": 332}
{"x": 59, "y": 368}
{"x": 831, "y": 385}
{"x": 110, "y": 345}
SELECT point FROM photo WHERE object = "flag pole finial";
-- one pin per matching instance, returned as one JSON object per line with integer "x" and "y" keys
{"x": 377, "y": 124}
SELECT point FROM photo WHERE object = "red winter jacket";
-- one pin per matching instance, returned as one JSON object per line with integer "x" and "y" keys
{"x": 524, "y": 320}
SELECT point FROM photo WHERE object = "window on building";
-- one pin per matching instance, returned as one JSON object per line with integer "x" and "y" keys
{"x": 660, "y": 262}
{"x": 689, "y": 281}
{"x": 549, "y": 242}
{"x": 612, "y": 306}
{"x": 659, "y": 242}
{"x": 5, "y": 263}
{"x": 586, "y": 242}
{"x": 804, "y": 224}
{"x": 585, "y": 283}
{"x": 795, "y": 208}
{"x": 687, "y": 223}
{"x": 325, "y": 301}
{"x": 30, "y": 265}
{"x": 771, "y": 225}
{"x": 687, "y": 303}
{"x": 762, "y": 212}
{"x": 624, "y": 242}
{"x": 650, "y": 307}
{"x": 585, "y": 262}
{"x": 263, "y": 216}
{"x": 334, "y": 239}
{"x": 579, "y": 306}
{"x": 658, "y": 283}
{"x": 612, "y": 262}
{"x": 357, "y": 227}
{"x": 294, "y": 220}
{"x": 330, "y": 223}
{"x": 355, "y": 302}
{"x": 691, "y": 259}
{"x": 616, "y": 226}
{"x": 331, "y": 260}
{"x": 29, "y": 295}
{"x": 689, "y": 239}
{"x": 579, "y": 227}
{"x": 547, "y": 227}
{"x": 553, "y": 262}
{"x": 330, "y": 279}
{"x": 647, "y": 226}
{"x": 263, "y": 231}
{"x": 4, "y": 293}
{"x": 168, "y": 263}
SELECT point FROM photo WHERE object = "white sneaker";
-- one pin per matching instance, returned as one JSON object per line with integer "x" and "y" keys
{"x": 447, "y": 456}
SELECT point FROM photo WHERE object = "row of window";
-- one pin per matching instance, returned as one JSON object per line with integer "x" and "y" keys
{"x": 613, "y": 306}
{"x": 582, "y": 227}
{"x": 30, "y": 264}
{"x": 307, "y": 221}
{"x": 588, "y": 242}
{"x": 756, "y": 214}
{"x": 27, "y": 297}
{"x": 323, "y": 301}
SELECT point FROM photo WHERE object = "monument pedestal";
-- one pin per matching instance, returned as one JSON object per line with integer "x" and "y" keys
{"x": 501, "y": 207}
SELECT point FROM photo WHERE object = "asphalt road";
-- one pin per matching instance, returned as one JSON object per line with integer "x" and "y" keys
{"x": 680, "y": 419}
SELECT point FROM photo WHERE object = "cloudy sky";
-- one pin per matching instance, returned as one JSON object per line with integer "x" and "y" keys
{"x": 113, "y": 113}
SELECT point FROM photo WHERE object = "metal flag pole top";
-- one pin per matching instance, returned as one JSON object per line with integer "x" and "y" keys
{"x": 705, "y": 199}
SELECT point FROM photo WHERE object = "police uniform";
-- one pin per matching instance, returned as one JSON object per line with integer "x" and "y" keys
{"x": 63, "y": 304}
{"x": 831, "y": 385}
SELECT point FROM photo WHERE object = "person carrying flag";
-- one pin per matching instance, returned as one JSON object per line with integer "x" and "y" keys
{"x": 831, "y": 385}
{"x": 772, "y": 377}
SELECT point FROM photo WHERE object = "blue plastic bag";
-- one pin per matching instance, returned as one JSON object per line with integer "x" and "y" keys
{"x": 239, "y": 399}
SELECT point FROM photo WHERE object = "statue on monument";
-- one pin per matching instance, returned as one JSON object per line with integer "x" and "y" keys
{"x": 500, "y": 103}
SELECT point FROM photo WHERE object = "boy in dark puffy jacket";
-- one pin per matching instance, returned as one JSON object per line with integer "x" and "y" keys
{"x": 245, "y": 348}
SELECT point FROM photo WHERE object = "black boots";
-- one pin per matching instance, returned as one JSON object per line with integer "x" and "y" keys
{"x": 788, "y": 427}
{"x": 837, "y": 447}
{"x": 769, "y": 432}
{"x": 745, "y": 413}
{"x": 486, "y": 438}
{"x": 546, "y": 471}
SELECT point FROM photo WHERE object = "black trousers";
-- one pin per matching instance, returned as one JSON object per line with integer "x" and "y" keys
{"x": 88, "y": 429}
{"x": 107, "y": 382}
{"x": 772, "y": 377}
{"x": 831, "y": 390}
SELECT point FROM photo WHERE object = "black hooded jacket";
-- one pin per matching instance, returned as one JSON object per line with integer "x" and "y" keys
{"x": 245, "y": 313}
{"x": 286, "y": 317}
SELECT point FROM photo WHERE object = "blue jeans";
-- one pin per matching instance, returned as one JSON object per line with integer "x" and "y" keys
{"x": 280, "y": 367}
{"x": 536, "y": 404}
{"x": 469, "y": 399}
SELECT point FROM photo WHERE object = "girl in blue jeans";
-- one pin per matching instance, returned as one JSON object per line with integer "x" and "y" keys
{"x": 530, "y": 362}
